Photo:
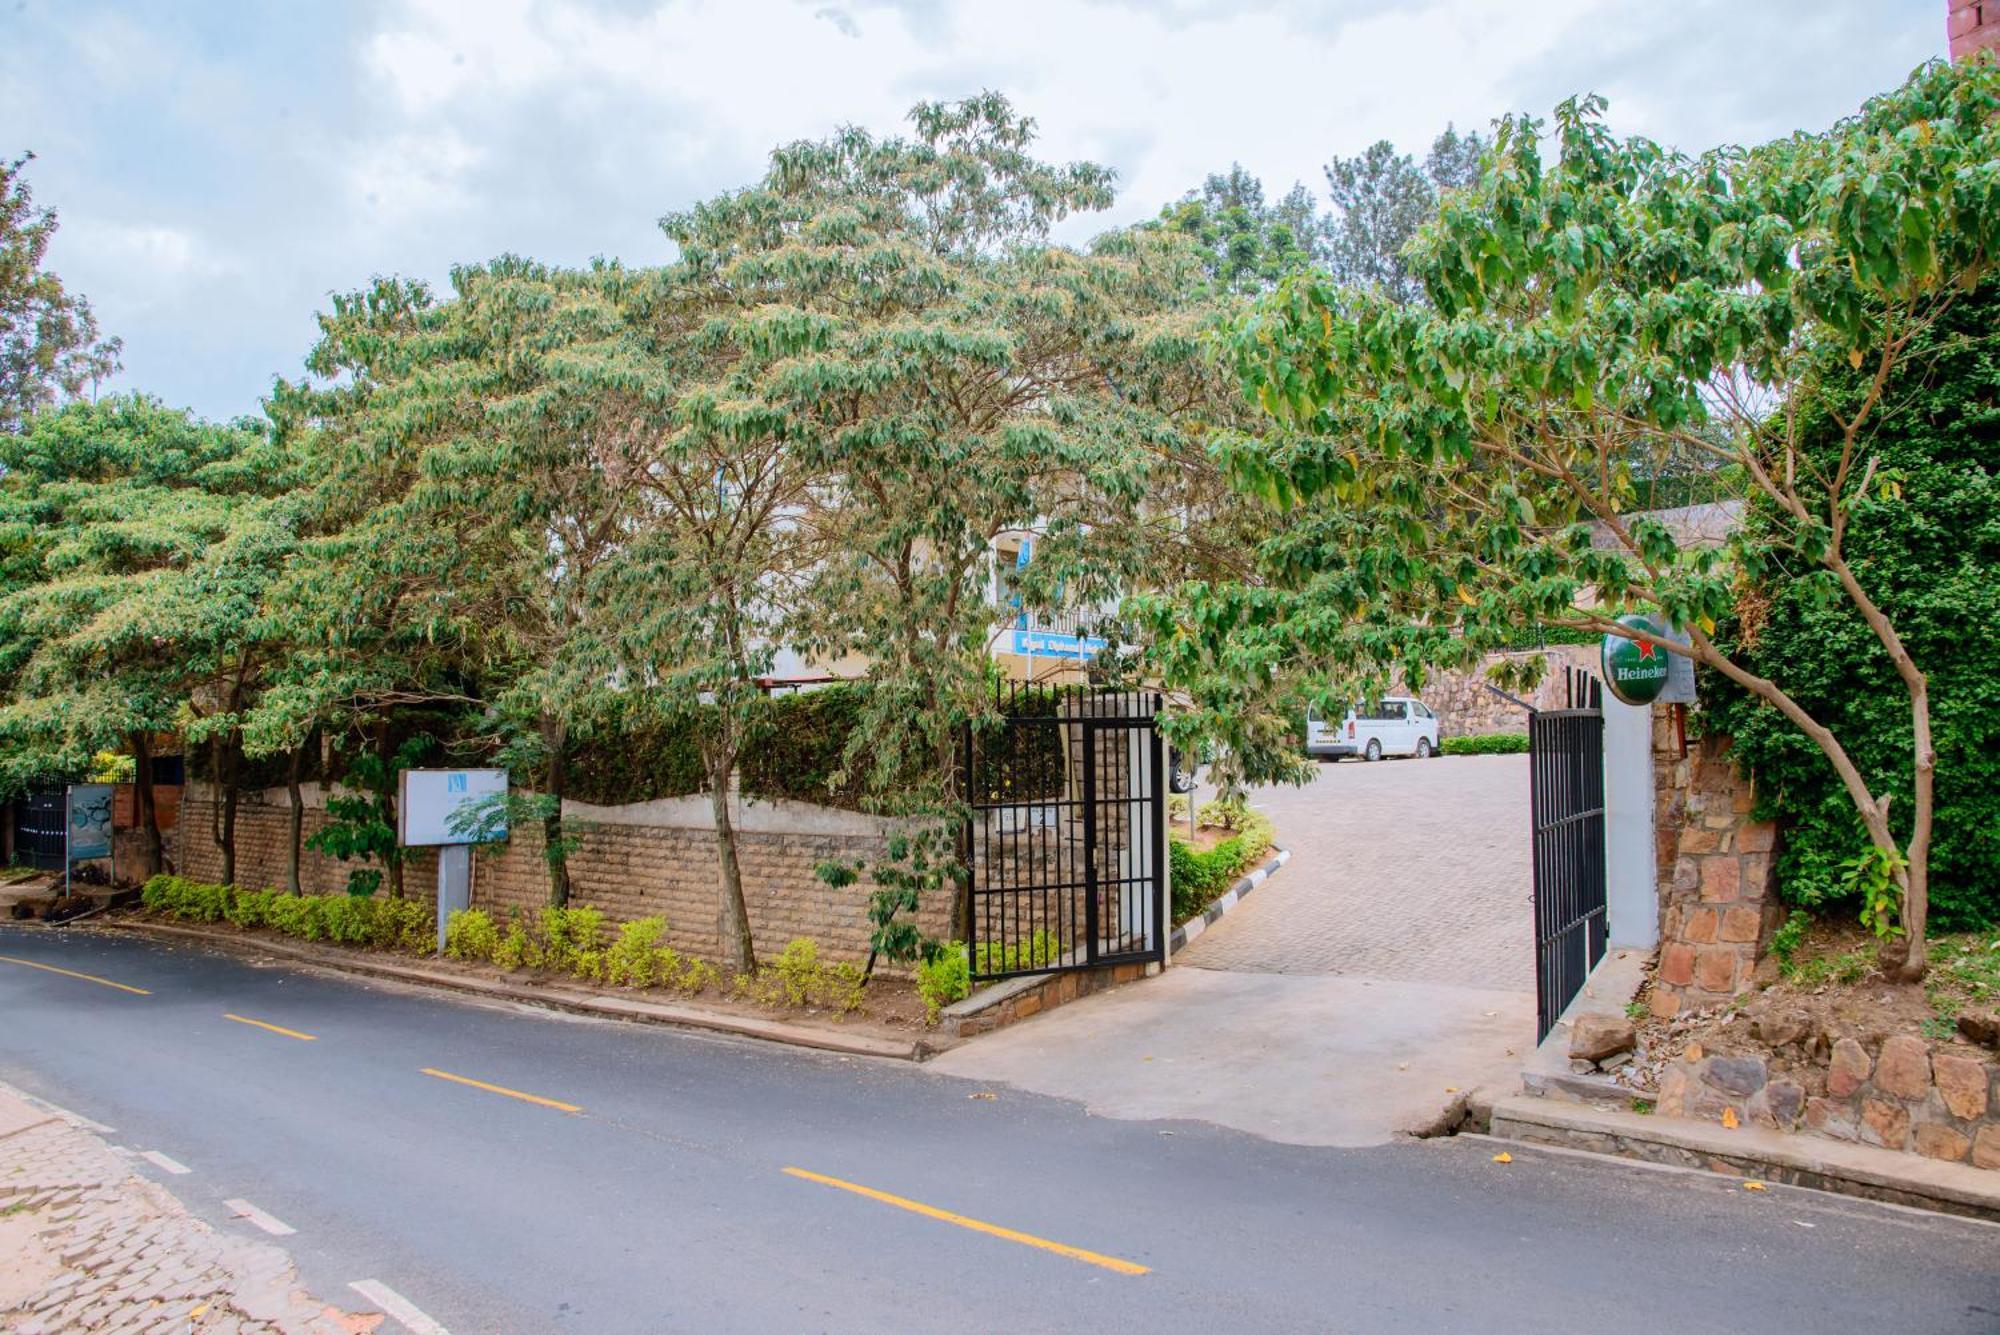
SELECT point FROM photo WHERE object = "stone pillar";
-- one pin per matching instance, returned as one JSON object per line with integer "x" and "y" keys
{"x": 1718, "y": 901}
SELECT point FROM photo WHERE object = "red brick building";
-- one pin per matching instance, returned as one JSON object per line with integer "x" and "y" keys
{"x": 1972, "y": 25}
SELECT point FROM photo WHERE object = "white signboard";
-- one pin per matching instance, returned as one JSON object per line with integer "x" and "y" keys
{"x": 429, "y": 798}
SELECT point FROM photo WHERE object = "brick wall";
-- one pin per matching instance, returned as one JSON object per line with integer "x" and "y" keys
{"x": 1972, "y": 25}
{"x": 632, "y": 862}
{"x": 1718, "y": 903}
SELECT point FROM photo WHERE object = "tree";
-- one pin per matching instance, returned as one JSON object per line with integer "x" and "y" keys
{"x": 1381, "y": 198}
{"x": 948, "y": 376}
{"x": 49, "y": 344}
{"x": 1469, "y": 466}
{"x": 1247, "y": 245}
{"x": 140, "y": 545}
{"x": 472, "y": 489}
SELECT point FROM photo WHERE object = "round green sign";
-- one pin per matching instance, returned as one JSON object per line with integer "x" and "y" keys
{"x": 1635, "y": 671}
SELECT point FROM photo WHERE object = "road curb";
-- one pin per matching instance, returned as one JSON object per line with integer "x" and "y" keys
{"x": 1185, "y": 934}
{"x": 553, "y": 998}
{"x": 1754, "y": 1152}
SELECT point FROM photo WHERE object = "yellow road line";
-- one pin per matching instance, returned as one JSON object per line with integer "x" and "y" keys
{"x": 71, "y": 973}
{"x": 1123, "y": 1267}
{"x": 502, "y": 1089}
{"x": 274, "y": 1028}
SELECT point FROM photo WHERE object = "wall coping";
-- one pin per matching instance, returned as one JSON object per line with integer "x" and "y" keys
{"x": 749, "y": 815}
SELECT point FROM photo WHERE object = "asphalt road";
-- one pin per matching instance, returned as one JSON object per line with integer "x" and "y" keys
{"x": 664, "y": 1202}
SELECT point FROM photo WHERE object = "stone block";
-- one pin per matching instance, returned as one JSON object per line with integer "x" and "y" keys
{"x": 1759, "y": 837}
{"x": 1700, "y": 927}
{"x": 1885, "y": 1124}
{"x": 1741, "y": 1076}
{"x": 1677, "y": 964}
{"x": 1936, "y": 1141}
{"x": 1664, "y": 1003}
{"x": 1787, "y": 1100}
{"x": 1830, "y": 1119}
{"x": 1740, "y": 924}
{"x": 1696, "y": 839}
{"x": 1986, "y": 1146}
{"x": 1904, "y": 1068}
{"x": 1687, "y": 874}
{"x": 1849, "y": 1069}
{"x": 1673, "y": 1092}
{"x": 1715, "y": 969}
{"x": 1596, "y": 1035}
{"x": 1721, "y": 879}
{"x": 1961, "y": 1083}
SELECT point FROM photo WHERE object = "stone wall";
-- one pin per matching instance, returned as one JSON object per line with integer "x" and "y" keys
{"x": 645, "y": 859}
{"x": 1466, "y": 708}
{"x": 1940, "y": 1101}
{"x": 1718, "y": 902}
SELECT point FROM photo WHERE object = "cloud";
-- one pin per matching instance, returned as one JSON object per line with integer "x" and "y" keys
{"x": 219, "y": 172}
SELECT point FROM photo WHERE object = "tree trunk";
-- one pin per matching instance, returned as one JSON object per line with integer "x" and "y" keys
{"x": 296, "y": 833}
{"x": 145, "y": 809}
{"x": 555, "y": 738}
{"x": 733, "y": 919}
{"x": 230, "y": 776}
{"x": 394, "y": 857}
{"x": 961, "y": 899}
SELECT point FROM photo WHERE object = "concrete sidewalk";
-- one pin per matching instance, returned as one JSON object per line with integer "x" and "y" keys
{"x": 1303, "y": 1060}
{"x": 87, "y": 1244}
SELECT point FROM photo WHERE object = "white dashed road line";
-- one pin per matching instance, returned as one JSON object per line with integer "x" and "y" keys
{"x": 159, "y": 1160}
{"x": 245, "y": 1210}
{"x": 396, "y": 1305}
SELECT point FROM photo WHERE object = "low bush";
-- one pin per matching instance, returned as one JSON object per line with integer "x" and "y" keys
{"x": 636, "y": 958}
{"x": 470, "y": 934}
{"x": 387, "y": 924}
{"x": 1199, "y": 875}
{"x": 1037, "y": 952}
{"x": 1490, "y": 744}
{"x": 944, "y": 978}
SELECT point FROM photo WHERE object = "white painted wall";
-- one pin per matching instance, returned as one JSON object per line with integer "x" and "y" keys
{"x": 1631, "y": 884}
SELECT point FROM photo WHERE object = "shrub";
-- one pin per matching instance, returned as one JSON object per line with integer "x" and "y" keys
{"x": 514, "y": 949}
{"x": 797, "y": 970}
{"x": 1040, "y": 950}
{"x": 567, "y": 935}
{"x": 943, "y": 978}
{"x": 348, "y": 920}
{"x": 1490, "y": 744}
{"x": 299, "y": 915}
{"x": 1199, "y": 875}
{"x": 251, "y": 908}
{"x": 633, "y": 960}
{"x": 469, "y": 934}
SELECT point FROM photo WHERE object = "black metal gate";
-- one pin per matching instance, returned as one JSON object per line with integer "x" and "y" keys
{"x": 1065, "y": 840}
{"x": 1566, "y": 782}
{"x": 38, "y": 831}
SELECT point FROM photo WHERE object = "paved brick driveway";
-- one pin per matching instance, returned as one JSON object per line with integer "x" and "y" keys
{"x": 1410, "y": 870}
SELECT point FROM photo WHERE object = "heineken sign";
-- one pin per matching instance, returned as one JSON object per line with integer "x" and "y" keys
{"x": 1636, "y": 671}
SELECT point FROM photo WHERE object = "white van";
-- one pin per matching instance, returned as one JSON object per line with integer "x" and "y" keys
{"x": 1398, "y": 725}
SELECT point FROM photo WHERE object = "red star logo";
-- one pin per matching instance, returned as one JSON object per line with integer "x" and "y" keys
{"x": 1645, "y": 648}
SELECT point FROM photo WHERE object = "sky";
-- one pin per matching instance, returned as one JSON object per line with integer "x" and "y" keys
{"x": 221, "y": 167}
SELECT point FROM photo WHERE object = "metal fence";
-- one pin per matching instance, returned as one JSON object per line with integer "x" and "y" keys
{"x": 1065, "y": 837}
{"x": 1566, "y": 786}
{"x": 38, "y": 830}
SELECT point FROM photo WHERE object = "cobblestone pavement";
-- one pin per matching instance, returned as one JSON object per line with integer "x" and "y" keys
{"x": 87, "y": 1245}
{"x": 1411, "y": 870}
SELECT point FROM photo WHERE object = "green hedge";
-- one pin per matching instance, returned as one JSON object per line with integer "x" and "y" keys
{"x": 1199, "y": 875}
{"x": 1491, "y": 744}
{"x": 1926, "y": 545}
{"x": 354, "y": 920}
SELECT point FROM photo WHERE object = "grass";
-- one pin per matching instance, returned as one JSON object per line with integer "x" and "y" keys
{"x": 1965, "y": 974}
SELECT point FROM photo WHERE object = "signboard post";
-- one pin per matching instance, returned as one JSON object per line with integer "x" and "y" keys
{"x": 451, "y": 810}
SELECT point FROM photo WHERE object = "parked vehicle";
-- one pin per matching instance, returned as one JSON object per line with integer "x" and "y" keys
{"x": 1397, "y": 725}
